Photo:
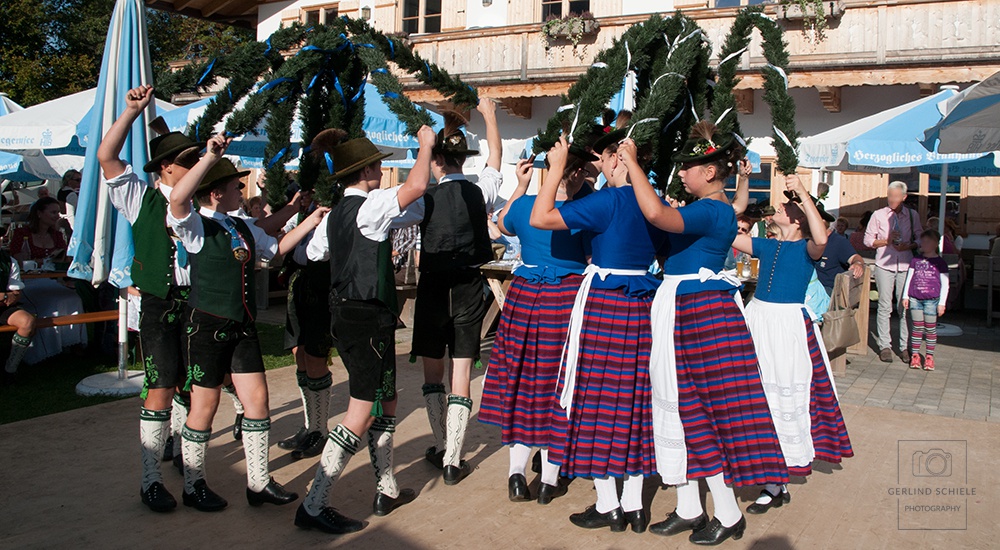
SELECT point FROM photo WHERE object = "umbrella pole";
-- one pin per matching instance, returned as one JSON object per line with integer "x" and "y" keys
{"x": 941, "y": 206}
{"x": 122, "y": 333}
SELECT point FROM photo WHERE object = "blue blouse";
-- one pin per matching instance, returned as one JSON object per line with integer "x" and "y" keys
{"x": 548, "y": 255}
{"x": 623, "y": 239}
{"x": 709, "y": 231}
{"x": 785, "y": 270}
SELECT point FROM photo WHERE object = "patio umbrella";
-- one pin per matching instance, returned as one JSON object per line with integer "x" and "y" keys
{"x": 971, "y": 122}
{"x": 102, "y": 239}
{"x": 13, "y": 166}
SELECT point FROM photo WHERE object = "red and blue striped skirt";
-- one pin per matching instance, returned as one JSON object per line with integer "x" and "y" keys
{"x": 520, "y": 389}
{"x": 610, "y": 429}
{"x": 727, "y": 422}
{"x": 829, "y": 432}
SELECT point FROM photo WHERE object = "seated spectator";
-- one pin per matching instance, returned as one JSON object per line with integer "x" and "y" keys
{"x": 41, "y": 238}
{"x": 255, "y": 207}
{"x": 743, "y": 225}
{"x": 838, "y": 256}
{"x": 772, "y": 231}
{"x": 841, "y": 226}
{"x": 858, "y": 237}
{"x": 11, "y": 313}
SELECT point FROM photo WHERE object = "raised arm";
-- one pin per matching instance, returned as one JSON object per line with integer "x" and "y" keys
{"x": 523, "y": 171}
{"x": 293, "y": 237}
{"x": 136, "y": 100}
{"x": 183, "y": 192}
{"x": 488, "y": 108}
{"x": 545, "y": 215}
{"x": 742, "y": 197}
{"x": 420, "y": 175}
{"x": 817, "y": 243}
{"x": 658, "y": 214}
{"x": 743, "y": 243}
{"x": 273, "y": 224}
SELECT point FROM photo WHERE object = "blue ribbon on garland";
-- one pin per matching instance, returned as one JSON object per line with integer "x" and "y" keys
{"x": 392, "y": 50}
{"x": 329, "y": 162}
{"x": 313, "y": 81}
{"x": 361, "y": 90}
{"x": 428, "y": 68}
{"x": 367, "y": 45}
{"x": 277, "y": 157}
{"x": 390, "y": 95}
{"x": 205, "y": 74}
{"x": 273, "y": 83}
{"x": 381, "y": 70}
{"x": 340, "y": 89}
{"x": 268, "y": 42}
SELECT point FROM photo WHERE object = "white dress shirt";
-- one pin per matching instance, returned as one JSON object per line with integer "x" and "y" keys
{"x": 378, "y": 215}
{"x": 191, "y": 232}
{"x": 14, "y": 282}
{"x": 126, "y": 191}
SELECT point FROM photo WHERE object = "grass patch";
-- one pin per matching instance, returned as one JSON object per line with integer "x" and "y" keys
{"x": 50, "y": 386}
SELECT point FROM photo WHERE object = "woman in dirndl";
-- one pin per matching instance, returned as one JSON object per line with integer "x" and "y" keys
{"x": 710, "y": 415}
{"x": 604, "y": 391}
{"x": 519, "y": 393}
{"x": 794, "y": 366}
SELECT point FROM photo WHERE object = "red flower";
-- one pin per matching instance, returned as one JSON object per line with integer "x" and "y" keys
{"x": 710, "y": 150}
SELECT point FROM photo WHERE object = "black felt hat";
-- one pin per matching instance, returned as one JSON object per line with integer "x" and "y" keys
{"x": 342, "y": 156}
{"x": 451, "y": 139}
{"x": 222, "y": 172}
{"x": 613, "y": 136}
{"x": 166, "y": 146}
{"x": 704, "y": 144}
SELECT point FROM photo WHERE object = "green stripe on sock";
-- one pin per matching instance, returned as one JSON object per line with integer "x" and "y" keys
{"x": 196, "y": 436}
{"x": 253, "y": 425}
{"x": 345, "y": 439}
{"x": 459, "y": 400}
{"x": 384, "y": 424}
{"x": 318, "y": 384}
{"x": 433, "y": 388}
{"x": 19, "y": 340}
{"x": 182, "y": 401}
{"x": 301, "y": 378}
{"x": 154, "y": 415}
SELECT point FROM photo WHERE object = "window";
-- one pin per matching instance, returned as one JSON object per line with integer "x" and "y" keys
{"x": 760, "y": 185}
{"x": 738, "y": 3}
{"x": 421, "y": 16}
{"x": 560, "y": 8}
{"x": 319, "y": 15}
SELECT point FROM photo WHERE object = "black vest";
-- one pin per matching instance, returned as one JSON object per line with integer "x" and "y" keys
{"x": 155, "y": 251}
{"x": 454, "y": 234}
{"x": 360, "y": 268}
{"x": 220, "y": 284}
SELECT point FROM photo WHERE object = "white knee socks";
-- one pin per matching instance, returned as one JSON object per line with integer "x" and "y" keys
{"x": 435, "y": 399}
{"x": 153, "y": 427}
{"x": 380, "y": 450}
{"x": 459, "y": 409}
{"x": 519, "y": 455}
{"x": 317, "y": 403}
{"x": 230, "y": 390}
{"x": 689, "y": 500}
{"x": 550, "y": 471}
{"x": 607, "y": 494}
{"x": 341, "y": 445}
{"x": 178, "y": 417}
{"x": 255, "y": 448}
{"x": 194, "y": 447}
{"x": 632, "y": 493}
{"x": 726, "y": 509}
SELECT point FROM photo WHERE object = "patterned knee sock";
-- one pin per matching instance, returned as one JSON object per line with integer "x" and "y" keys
{"x": 689, "y": 500}
{"x": 340, "y": 447}
{"x": 632, "y": 493}
{"x": 607, "y": 494}
{"x": 178, "y": 417}
{"x": 303, "y": 382}
{"x": 917, "y": 332}
{"x": 519, "y": 455}
{"x": 726, "y": 510}
{"x": 317, "y": 404}
{"x": 153, "y": 427}
{"x": 194, "y": 448}
{"x": 380, "y": 448}
{"x": 459, "y": 409}
{"x": 18, "y": 346}
{"x": 435, "y": 398}
{"x": 230, "y": 390}
{"x": 550, "y": 471}
{"x": 930, "y": 333}
{"x": 255, "y": 445}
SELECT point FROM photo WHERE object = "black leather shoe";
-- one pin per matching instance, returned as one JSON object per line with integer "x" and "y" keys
{"x": 238, "y": 427}
{"x": 638, "y": 520}
{"x": 517, "y": 488}
{"x": 274, "y": 493}
{"x": 548, "y": 492}
{"x": 311, "y": 446}
{"x": 592, "y": 519}
{"x": 168, "y": 449}
{"x": 536, "y": 463}
{"x": 204, "y": 499}
{"x": 674, "y": 525}
{"x": 775, "y": 502}
{"x": 293, "y": 442}
{"x": 158, "y": 498}
{"x": 179, "y": 463}
{"x": 435, "y": 457}
{"x": 329, "y": 521}
{"x": 454, "y": 474}
{"x": 715, "y": 533}
{"x": 384, "y": 503}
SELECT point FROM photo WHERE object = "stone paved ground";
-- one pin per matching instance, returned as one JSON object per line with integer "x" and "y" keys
{"x": 964, "y": 384}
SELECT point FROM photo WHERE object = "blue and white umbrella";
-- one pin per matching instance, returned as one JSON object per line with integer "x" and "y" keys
{"x": 971, "y": 122}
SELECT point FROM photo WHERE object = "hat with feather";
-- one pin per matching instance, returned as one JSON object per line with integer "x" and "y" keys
{"x": 344, "y": 157}
{"x": 615, "y": 134}
{"x": 451, "y": 139}
{"x": 704, "y": 144}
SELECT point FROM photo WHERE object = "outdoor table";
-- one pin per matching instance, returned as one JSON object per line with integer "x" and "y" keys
{"x": 499, "y": 276}
{"x": 749, "y": 287}
{"x": 26, "y": 275}
{"x": 47, "y": 297}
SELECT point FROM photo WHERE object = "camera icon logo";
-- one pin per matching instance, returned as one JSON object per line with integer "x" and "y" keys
{"x": 931, "y": 463}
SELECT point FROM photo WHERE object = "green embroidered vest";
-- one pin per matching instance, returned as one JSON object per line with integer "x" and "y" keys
{"x": 152, "y": 267}
{"x": 221, "y": 285}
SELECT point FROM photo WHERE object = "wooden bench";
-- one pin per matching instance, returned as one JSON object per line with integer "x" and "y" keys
{"x": 986, "y": 274}
{"x": 64, "y": 320}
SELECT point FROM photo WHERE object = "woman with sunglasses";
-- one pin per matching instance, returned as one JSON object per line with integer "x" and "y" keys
{"x": 793, "y": 363}
{"x": 710, "y": 416}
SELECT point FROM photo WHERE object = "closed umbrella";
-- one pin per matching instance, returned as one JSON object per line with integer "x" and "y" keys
{"x": 971, "y": 122}
{"x": 102, "y": 240}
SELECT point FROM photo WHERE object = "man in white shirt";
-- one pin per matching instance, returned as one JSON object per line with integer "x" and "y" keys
{"x": 220, "y": 332}
{"x": 364, "y": 314}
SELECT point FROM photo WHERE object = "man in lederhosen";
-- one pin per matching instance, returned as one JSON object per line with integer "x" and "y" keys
{"x": 450, "y": 305}
{"x": 161, "y": 273}
{"x": 364, "y": 315}
{"x": 220, "y": 333}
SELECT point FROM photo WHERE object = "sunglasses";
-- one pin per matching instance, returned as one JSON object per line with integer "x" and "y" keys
{"x": 743, "y": 229}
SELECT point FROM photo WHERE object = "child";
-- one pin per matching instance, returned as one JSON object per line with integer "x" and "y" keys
{"x": 11, "y": 313}
{"x": 926, "y": 290}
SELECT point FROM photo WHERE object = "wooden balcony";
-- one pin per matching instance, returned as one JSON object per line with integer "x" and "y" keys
{"x": 926, "y": 42}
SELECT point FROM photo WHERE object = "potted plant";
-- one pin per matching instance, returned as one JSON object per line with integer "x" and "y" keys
{"x": 571, "y": 28}
{"x": 812, "y": 13}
